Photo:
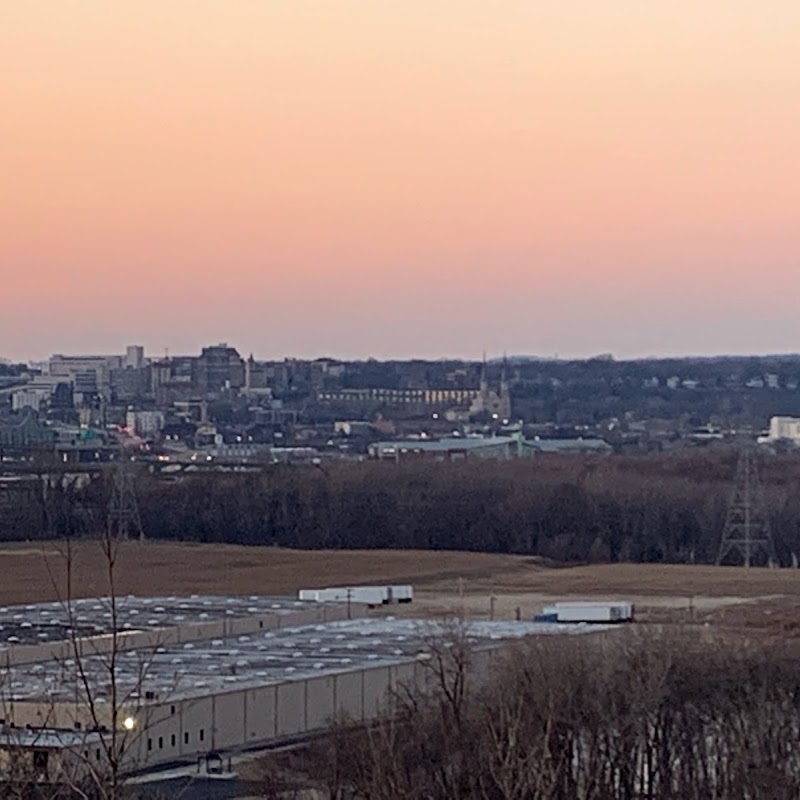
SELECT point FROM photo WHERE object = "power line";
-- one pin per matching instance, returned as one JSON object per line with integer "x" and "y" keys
{"x": 747, "y": 531}
{"x": 124, "y": 521}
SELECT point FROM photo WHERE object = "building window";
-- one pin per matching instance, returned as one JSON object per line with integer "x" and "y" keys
{"x": 149, "y": 744}
{"x": 172, "y": 740}
{"x": 186, "y": 737}
{"x": 202, "y": 734}
{"x": 172, "y": 709}
{"x": 160, "y": 742}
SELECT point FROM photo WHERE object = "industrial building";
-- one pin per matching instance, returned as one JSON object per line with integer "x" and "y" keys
{"x": 487, "y": 447}
{"x": 205, "y": 675}
{"x": 449, "y": 449}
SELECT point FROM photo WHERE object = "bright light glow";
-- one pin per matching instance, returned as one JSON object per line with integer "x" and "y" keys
{"x": 129, "y": 723}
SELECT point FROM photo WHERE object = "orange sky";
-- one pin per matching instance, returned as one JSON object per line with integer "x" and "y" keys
{"x": 377, "y": 177}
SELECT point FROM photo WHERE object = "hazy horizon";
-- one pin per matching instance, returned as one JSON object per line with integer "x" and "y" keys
{"x": 245, "y": 352}
{"x": 394, "y": 179}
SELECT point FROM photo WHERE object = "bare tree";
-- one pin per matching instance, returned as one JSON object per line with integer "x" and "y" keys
{"x": 636, "y": 716}
{"x": 111, "y": 707}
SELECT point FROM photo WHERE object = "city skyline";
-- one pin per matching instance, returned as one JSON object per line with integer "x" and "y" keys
{"x": 476, "y": 358}
{"x": 399, "y": 180}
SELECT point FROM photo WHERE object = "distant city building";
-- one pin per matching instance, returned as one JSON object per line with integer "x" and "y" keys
{"x": 489, "y": 447}
{"x": 85, "y": 373}
{"x": 32, "y": 397}
{"x": 24, "y": 430}
{"x": 92, "y": 374}
{"x": 218, "y": 369}
{"x": 588, "y": 446}
{"x": 256, "y": 378}
{"x": 784, "y": 428}
{"x": 463, "y": 402}
{"x": 450, "y": 449}
{"x": 41, "y": 393}
{"x": 496, "y": 404}
{"x": 134, "y": 356}
{"x": 399, "y": 397}
{"x": 146, "y": 424}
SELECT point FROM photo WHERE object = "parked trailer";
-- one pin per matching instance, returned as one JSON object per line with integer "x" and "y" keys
{"x": 588, "y": 611}
{"x": 332, "y": 595}
{"x": 368, "y": 595}
{"x": 401, "y": 594}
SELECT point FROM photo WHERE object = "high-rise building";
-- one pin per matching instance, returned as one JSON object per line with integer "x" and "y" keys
{"x": 218, "y": 369}
{"x": 134, "y": 356}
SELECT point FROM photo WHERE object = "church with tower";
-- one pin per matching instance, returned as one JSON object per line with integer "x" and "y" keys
{"x": 495, "y": 403}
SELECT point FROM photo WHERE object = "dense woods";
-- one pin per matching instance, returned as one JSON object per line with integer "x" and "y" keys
{"x": 631, "y": 715}
{"x": 657, "y": 508}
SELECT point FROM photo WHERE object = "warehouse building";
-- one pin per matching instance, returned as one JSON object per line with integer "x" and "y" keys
{"x": 221, "y": 693}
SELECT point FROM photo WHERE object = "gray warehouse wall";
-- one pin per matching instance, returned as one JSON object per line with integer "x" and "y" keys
{"x": 247, "y": 717}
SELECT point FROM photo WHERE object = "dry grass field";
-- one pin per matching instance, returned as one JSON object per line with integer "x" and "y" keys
{"x": 444, "y": 581}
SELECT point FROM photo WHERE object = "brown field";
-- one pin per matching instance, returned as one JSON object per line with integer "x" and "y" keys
{"x": 443, "y": 581}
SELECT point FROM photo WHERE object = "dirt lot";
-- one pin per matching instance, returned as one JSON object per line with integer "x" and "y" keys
{"x": 443, "y": 581}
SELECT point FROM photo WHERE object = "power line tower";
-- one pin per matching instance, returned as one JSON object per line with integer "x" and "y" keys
{"x": 747, "y": 532}
{"x": 123, "y": 510}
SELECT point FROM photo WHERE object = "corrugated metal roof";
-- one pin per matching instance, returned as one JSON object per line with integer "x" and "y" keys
{"x": 207, "y": 667}
{"x": 56, "y": 621}
{"x": 567, "y": 445}
{"x": 47, "y": 738}
{"x": 444, "y": 445}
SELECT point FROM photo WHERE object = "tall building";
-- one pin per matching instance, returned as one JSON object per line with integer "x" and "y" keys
{"x": 256, "y": 378}
{"x": 85, "y": 373}
{"x": 218, "y": 369}
{"x": 134, "y": 356}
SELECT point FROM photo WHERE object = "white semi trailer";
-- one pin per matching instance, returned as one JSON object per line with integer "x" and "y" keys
{"x": 588, "y": 611}
{"x": 368, "y": 595}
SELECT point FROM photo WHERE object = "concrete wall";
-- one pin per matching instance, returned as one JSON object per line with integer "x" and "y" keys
{"x": 257, "y": 716}
{"x": 290, "y": 713}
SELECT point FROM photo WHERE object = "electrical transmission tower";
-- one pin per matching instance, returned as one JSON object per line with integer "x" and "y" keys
{"x": 747, "y": 532}
{"x": 123, "y": 510}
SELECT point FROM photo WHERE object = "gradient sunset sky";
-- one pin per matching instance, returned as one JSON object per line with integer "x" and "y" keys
{"x": 400, "y": 177}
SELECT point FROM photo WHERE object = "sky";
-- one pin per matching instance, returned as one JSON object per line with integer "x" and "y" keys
{"x": 400, "y": 178}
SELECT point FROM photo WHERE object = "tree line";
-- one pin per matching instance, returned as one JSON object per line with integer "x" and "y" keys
{"x": 654, "y": 508}
{"x": 648, "y": 715}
